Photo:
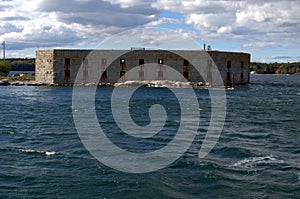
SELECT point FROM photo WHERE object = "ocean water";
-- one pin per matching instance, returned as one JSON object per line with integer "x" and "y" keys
{"x": 257, "y": 156}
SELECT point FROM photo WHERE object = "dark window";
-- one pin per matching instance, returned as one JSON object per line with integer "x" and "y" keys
{"x": 67, "y": 63}
{"x": 85, "y": 76}
{"x": 160, "y": 61}
{"x": 122, "y": 73}
{"x": 228, "y": 65}
{"x": 123, "y": 64}
{"x": 186, "y": 62}
{"x": 242, "y": 73}
{"x": 104, "y": 77}
{"x": 186, "y": 69}
{"x": 85, "y": 63}
{"x": 186, "y": 75}
{"x": 67, "y": 70}
{"x": 141, "y": 61}
{"x": 122, "y": 61}
{"x": 228, "y": 75}
{"x": 85, "y": 69}
{"x": 103, "y": 64}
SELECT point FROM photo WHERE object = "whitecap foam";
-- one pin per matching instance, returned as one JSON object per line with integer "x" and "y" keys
{"x": 50, "y": 153}
{"x": 253, "y": 161}
{"x": 47, "y": 153}
{"x": 8, "y": 132}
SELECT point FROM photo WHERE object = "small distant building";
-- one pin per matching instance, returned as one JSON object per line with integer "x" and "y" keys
{"x": 61, "y": 67}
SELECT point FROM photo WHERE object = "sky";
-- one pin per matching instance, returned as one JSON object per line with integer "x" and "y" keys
{"x": 267, "y": 29}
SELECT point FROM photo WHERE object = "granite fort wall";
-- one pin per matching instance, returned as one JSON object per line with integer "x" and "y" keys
{"x": 110, "y": 66}
{"x": 44, "y": 66}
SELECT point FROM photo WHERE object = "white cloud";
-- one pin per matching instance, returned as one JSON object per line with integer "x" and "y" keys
{"x": 244, "y": 19}
{"x": 225, "y": 29}
{"x": 130, "y": 3}
{"x": 256, "y": 45}
{"x": 36, "y": 23}
{"x": 56, "y": 23}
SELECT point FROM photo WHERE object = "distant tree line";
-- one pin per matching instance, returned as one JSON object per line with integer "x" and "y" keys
{"x": 275, "y": 68}
{"x": 22, "y": 64}
{"x": 5, "y": 67}
{"x": 16, "y": 65}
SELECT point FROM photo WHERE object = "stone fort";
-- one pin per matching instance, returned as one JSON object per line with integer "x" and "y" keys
{"x": 65, "y": 66}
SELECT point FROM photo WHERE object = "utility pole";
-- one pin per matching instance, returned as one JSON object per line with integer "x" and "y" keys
{"x": 3, "y": 43}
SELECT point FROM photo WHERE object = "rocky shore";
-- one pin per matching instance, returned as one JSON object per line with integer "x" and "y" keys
{"x": 160, "y": 84}
{"x": 7, "y": 82}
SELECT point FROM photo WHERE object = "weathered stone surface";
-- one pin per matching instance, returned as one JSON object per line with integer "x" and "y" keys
{"x": 61, "y": 67}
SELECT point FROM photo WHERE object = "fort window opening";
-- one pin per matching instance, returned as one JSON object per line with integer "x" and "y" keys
{"x": 228, "y": 78}
{"x": 160, "y": 67}
{"x": 104, "y": 77}
{"x": 186, "y": 75}
{"x": 103, "y": 64}
{"x": 141, "y": 62}
{"x": 123, "y": 64}
{"x": 67, "y": 63}
{"x": 242, "y": 72}
{"x": 85, "y": 63}
{"x": 228, "y": 65}
{"x": 186, "y": 69}
{"x": 67, "y": 70}
{"x": 85, "y": 70}
{"x": 122, "y": 73}
{"x": 186, "y": 63}
{"x": 209, "y": 73}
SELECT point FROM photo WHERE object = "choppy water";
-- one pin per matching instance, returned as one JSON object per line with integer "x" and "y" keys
{"x": 258, "y": 154}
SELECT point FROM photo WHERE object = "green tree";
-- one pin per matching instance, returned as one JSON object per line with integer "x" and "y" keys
{"x": 5, "y": 67}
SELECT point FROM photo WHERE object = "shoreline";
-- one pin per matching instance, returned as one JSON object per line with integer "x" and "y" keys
{"x": 148, "y": 84}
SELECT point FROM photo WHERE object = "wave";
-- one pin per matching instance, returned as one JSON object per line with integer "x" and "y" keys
{"x": 7, "y": 133}
{"x": 47, "y": 153}
{"x": 254, "y": 161}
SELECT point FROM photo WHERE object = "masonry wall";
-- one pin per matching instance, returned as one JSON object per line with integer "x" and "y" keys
{"x": 152, "y": 69}
{"x": 237, "y": 64}
{"x": 75, "y": 58}
{"x": 105, "y": 66}
{"x": 44, "y": 68}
